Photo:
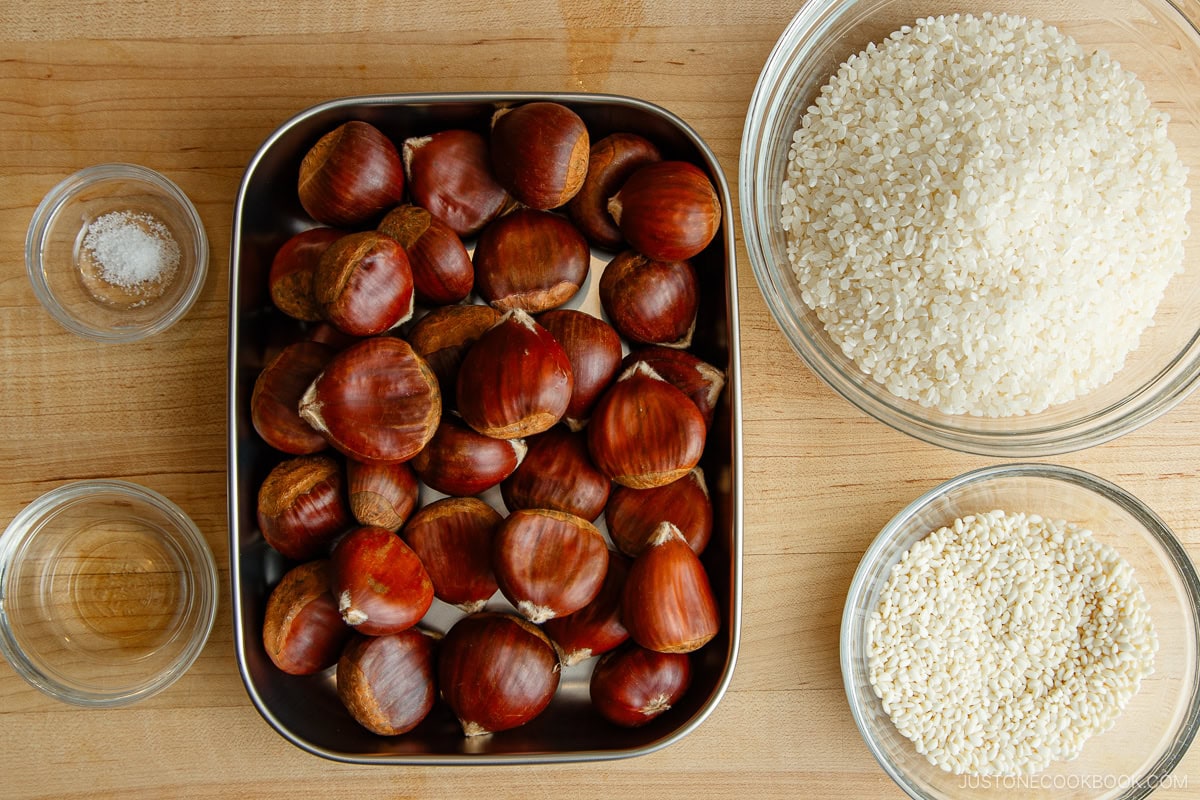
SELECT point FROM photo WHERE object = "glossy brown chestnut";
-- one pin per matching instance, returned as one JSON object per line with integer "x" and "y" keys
{"x": 530, "y": 259}
{"x": 275, "y": 400}
{"x": 668, "y": 603}
{"x": 460, "y": 461}
{"x": 441, "y": 267}
{"x": 611, "y": 161}
{"x": 376, "y": 401}
{"x": 668, "y": 211}
{"x": 634, "y": 685}
{"x": 496, "y": 672}
{"x": 450, "y": 173}
{"x": 453, "y": 538}
{"x": 515, "y": 381}
{"x": 291, "y": 277}
{"x": 381, "y": 495}
{"x": 443, "y": 336}
{"x": 633, "y": 515}
{"x": 303, "y": 632}
{"x": 380, "y": 584}
{"x": 364, "y": 284}
{"x": 302, "y": 506}
{"x": 648, "y": 301}
{"x": 594, "y": 349}
{"x": 596, "y": 628}
{"x": 386, "y": 682}
{"x": 351, "y": 175}
{"x": 644, "y": 432}
{"x": 540, "y": 153}
{"x": 698, "y": 379}
{"x": 548, "y": 563}
{"x": 557, "y": 473}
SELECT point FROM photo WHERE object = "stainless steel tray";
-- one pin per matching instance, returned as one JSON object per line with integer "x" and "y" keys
{"x": 305, "y": 710}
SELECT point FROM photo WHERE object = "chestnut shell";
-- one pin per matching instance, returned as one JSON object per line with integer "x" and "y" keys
{"x": 540, "y": 153}
{"x": 515, "y": 381}
{"x": 351, "y": 175}
{"x": 496, "y": 672}
{"x": 376, "y": 401}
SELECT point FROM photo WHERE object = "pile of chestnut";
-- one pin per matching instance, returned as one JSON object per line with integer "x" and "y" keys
{"x": 427, "y": 365}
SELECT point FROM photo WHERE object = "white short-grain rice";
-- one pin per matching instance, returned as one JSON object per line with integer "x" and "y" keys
{"x": 983, "y": 215}
{"x": 1002, "y": 642}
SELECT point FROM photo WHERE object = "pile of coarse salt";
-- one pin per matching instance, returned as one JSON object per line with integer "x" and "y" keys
{"x": 132, "y": 248}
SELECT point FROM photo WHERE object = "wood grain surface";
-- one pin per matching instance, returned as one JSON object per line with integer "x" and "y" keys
{"x": 192, "y": 89}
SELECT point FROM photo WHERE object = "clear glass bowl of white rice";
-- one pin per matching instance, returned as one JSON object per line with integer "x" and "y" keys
{"x": 1136, "y": 753}
{"x": 1022, "y": 285}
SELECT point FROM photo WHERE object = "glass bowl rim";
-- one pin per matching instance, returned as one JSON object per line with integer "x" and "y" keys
{"x": 62, "y": 193}
{"x": 204, "y": 596}
{"x": 1155, "y": 527}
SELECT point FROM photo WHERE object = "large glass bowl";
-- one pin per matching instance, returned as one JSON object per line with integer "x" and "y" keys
{"x": 1137, "y": 754}
{"x": 1156, "y": 39}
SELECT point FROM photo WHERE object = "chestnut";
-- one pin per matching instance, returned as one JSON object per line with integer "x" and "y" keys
{"x": 699, "y": 380}
{"x": 557, "y": 473}
{"x": 351, "y": 175}
{"x": 376, "y": 401}
{"x": 461, "y": 461}
{"x": 496, "y": 672}
{"x": 548, "y": 563}
{"x": 303, "y": 632}
{"x": 441, "y": 266}
{"x": 443, "y": 336}
{"x": 275, "y": 400}
{"x": 633, "y": 515}
{"x": 611, "y": 160}
{"x": 631, "y": 686}
{"x": 594, "y": 349}
{"x": 386, "y": 682}
{"x": 667, "y": 211}
{"x": 450, "y": 174}
{"x": 302, "y": 507}
{"x": 381, "y": 495}
{"x": 644, "y": 432}
{"x": 648, "y": 301}
{"x": 596, "y": 628}
{"x": 290, "y": 279}
{"x": 380, "y": 584}
{"x": 453, "y": 538}
{"x": 515, "y": 381}
{"x": 668, "y": 603}
{"x": 530, "y": 259}
{"x": 540, "y": 152}
{"x": 364, "y": 284}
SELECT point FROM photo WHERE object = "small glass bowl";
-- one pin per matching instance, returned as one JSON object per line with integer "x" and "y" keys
{"x": 1155, "y": 39}
{"x": 108, "y": 593}
{"x": 71, "y": 291}
{"x": 1138, "y": 753}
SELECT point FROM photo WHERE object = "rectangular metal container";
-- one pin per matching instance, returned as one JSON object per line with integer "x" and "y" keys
{"x": 305, "y": 710}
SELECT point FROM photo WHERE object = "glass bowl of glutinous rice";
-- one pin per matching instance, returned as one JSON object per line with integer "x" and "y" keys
{"x": 973, "y": 221}
{"x": 1025, "y": 631}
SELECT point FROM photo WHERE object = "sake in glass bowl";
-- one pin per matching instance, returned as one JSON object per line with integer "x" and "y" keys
{"x": 108, "y": 593}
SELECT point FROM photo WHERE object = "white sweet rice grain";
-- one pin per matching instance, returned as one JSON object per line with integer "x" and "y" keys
{"x": 1002, "y": 642}
{"x": 983, "y": 215}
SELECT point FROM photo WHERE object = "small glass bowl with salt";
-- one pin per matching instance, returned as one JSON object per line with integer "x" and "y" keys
{"x": 116, "y": 253}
